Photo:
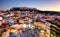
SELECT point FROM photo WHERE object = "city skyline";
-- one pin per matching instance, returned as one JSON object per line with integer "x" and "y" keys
{"x": 45, "y": 5}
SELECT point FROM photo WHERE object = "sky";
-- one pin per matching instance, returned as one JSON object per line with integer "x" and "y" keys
{"x": 50, "y": 5}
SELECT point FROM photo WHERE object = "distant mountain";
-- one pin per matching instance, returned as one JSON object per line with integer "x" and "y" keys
{"x": 34, "y": 9}
{"x": 22, "y": 9}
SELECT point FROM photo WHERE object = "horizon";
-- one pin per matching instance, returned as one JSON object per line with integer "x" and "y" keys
{"x": 44, "y": 5}
{"x": 30, "y": 7}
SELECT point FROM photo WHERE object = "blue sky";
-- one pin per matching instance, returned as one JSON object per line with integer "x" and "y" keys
{"x": 53, "y": 5}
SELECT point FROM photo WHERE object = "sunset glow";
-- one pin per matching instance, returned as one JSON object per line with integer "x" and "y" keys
{"x": 50, "y": 5}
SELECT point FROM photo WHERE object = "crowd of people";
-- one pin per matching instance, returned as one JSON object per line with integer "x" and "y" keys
{"x": 25, "y": 24}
